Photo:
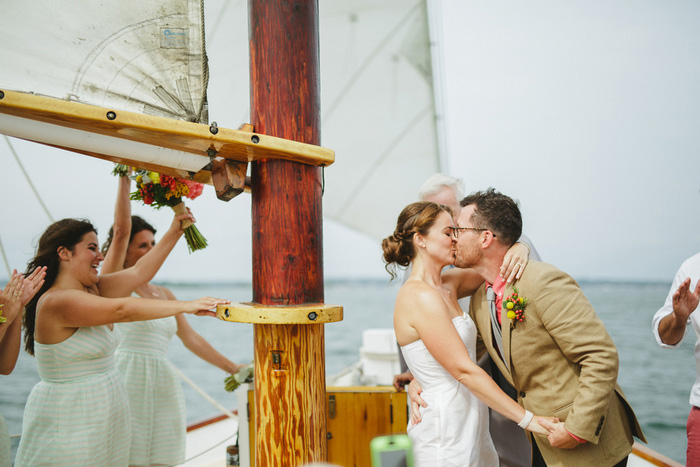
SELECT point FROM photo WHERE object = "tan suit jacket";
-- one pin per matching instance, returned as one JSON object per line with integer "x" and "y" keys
{"x": 563, "y": 363}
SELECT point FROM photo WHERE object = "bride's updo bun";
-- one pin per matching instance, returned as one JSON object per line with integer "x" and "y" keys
{"x": 398, "y": 249}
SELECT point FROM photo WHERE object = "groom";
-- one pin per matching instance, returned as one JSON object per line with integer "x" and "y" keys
{"x": 559, "y": 357}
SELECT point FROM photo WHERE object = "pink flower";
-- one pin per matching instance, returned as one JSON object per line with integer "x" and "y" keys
{"x": 195, "y": 188}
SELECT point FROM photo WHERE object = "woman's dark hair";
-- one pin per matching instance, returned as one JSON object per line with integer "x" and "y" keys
{"x": 418, "y": 218}
{"x": 137, "y": 225}
{"x": 64, "y": 233}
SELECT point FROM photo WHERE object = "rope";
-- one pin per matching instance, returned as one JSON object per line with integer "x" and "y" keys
{"x": 401, "y": 23}
{"x": 26, "y": 175}
{"x": 211, "y": 448}
{"x": 206, "y": 396}
{"x": 213, "y": 402}
{"x": 4, "y": 260}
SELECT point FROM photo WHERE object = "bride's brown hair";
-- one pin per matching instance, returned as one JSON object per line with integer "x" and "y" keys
{"x": 415, "y": 218}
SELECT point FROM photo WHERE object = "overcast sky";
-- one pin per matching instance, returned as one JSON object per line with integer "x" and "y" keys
{"x": 587, "y": 112}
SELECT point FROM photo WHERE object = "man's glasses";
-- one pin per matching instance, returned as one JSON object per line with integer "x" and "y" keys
{"x": 457, "y": 230}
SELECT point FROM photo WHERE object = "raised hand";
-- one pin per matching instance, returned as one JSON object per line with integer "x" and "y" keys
{"x": 32, "y": 284}
{"x": 11, "y": 297}
{"x": 182, "y": 221}
{"x": 685, "y": 301}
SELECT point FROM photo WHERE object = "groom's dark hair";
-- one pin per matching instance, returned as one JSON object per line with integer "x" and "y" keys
{"x": 496, "y": 212}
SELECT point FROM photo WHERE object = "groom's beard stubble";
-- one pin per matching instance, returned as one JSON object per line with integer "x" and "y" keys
{"x": 466, "y": 257}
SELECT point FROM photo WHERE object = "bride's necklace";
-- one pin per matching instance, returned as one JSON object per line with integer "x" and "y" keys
{"x": 443, "y": 289}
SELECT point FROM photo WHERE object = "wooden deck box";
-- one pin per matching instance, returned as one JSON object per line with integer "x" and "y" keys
{"x": 355, "y": 415}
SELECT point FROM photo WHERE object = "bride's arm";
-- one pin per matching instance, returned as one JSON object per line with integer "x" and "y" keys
{"x": 466, "y": 281}
{"x": 436, "y": 330}
{"x": 514, "y": 261}
{"x": 463, "y": 281}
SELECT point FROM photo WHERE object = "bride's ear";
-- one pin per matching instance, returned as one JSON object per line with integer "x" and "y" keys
{"x": 419, "y": 240}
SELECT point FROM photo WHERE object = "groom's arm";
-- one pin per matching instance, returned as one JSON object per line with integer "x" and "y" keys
{"x": 573, "y": 324}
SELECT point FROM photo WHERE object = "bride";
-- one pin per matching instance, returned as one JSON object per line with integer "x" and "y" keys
{"x": 438, "y": 342}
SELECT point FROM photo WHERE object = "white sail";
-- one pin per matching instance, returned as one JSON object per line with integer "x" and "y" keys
{"x": 378, "y": 110}
{"x": 377, "y": 98}
{"x": 146, "y": 57}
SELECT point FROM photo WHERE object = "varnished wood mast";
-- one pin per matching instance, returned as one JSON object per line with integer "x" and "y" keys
{"x": 290, "y": 384}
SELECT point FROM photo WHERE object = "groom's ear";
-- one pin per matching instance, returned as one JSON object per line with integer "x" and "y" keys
{"x": 487, "y": 239}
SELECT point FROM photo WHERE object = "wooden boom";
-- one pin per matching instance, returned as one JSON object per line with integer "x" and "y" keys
{"x": 173, "y": 147}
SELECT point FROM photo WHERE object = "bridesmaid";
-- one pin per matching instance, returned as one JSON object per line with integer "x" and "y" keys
{"x": 78, "y": 414}
{"x": 155, "y": 393}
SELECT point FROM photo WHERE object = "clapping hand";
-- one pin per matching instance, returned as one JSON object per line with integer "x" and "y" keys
{"x": 32, "y": 284}
{"x": 11, "y": 297}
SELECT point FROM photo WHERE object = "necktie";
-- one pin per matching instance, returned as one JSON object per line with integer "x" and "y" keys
{"x": 495, "y": 325}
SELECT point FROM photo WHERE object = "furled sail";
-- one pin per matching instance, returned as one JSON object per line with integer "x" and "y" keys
{"x": 133, "y": 55}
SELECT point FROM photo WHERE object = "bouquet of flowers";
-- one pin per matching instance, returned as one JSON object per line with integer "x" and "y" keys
{"x": 159, "y": 190}
{"x": 2, "y": 319}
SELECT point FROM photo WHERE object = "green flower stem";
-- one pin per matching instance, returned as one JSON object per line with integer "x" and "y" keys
{"x": 195, "y": 240}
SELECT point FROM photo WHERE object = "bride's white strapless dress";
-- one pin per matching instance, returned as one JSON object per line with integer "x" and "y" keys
{"x": 454, "y": 430}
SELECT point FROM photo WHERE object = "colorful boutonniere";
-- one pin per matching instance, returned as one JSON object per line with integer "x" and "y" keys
{"x": 515, "y": 305}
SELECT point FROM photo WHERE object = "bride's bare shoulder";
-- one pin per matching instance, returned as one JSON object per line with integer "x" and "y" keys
{"x": 418, "y": 293}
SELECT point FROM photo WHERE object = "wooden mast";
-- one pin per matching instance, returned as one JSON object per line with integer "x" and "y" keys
{"x": 287, "y": 241}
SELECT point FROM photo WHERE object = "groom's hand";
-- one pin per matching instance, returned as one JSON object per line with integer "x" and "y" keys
{"x": 558, "y": 436}
{"x": 402, "y": 379}
{"x": 417, "y": 401}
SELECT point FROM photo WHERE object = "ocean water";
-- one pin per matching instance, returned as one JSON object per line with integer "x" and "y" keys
{"x": 656, "y": 381}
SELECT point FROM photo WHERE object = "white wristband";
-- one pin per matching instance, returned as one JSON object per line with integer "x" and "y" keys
{"x": 526, "y": 420}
